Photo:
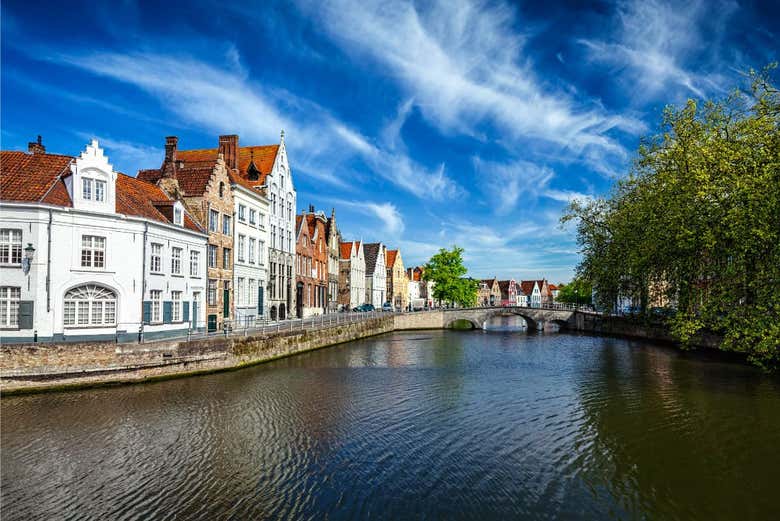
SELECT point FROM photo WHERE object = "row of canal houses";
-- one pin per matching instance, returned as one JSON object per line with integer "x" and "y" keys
{"x": 525, "y": 293}
{"x": 209, "y": 240}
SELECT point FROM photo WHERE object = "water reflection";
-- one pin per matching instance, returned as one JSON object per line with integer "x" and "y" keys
{"x": 435, "y": 425}
{"x": 506, "y": 322}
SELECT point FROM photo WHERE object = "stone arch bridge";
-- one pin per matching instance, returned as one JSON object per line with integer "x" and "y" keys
{"x": 478, "y": 317}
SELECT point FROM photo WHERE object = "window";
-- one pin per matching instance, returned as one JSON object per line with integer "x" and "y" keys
{"x": 156, "y": 305}
{"x": 252, "y": 216}
{"x": 289, "y": 241}
{"x": 213, "y": 221}
{"x": 241, "y": 212}
{"x": 176, "y": 261}
{"x": 212, "y": 293}
{"x": 260, "y": 250}
{"x": 9, "y": 306}
{"x": 100, "y": 191}
{"x": 240, "y": 290}
{"x": 93, "y": 251}
{"x": 261, "y": 222}
{"x": 178, "y": 216}
{"x": 252, "y": 242}
{"x": 155, "y": 264}
{"x": 226, "y": 258}
{"x": 226, "y": 224}
{"x": 221, "y": 190}
{"x": 10, "y": 246}
{"x": 273, "y": 204}
{"x": 212, "y": 256}
{"x": 289, "y": 211}
{"x": 90, "y": 305}
{"x": 194, "y": 263}
{"x": 241, "y": 244}
{"x": 273, "y": 236}
{"x": 251, "y": 292}
{"x": 176, "y": 306}
{"x": 86, "y": 188}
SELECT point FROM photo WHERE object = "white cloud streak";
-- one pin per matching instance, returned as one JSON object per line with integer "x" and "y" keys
{"x": 462, "y": 61}
{"x": 223, "y": 100}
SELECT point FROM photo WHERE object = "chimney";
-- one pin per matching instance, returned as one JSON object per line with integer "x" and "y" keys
{"x": 36, "y": 147}
{"x": 228, "y": 146}
{"x": 169, "y": 164}
{"x": 311, "y": 208}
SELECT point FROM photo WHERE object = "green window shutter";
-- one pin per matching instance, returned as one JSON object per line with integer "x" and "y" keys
{"x": 26, "y": 314}
{"x": 167, "y": 311}
{"x": 260, "y": 300}
{"x": 147, "y": 312}
{"x": 185, "y": 312}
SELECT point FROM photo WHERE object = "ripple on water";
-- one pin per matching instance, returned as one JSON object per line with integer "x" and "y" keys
{"x": 440, "y": 425}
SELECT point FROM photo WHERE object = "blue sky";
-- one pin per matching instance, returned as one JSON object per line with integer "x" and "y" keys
{"x": 425, "y": 124}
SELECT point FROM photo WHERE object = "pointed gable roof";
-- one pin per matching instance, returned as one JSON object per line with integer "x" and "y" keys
{"x": 371, "y": 251}
{"x": 390, "y": 260}
{"x": 345, "y": 248}
{"x": 527, "y": 286}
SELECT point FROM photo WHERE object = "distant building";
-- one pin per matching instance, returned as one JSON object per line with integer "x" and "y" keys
{"x": 333, "y": 240}
{"x": 312, "y": 264}
{"x": 397, "y": 281}
{"x": 553, "y": 291}
{"x": 508, "y": 292}
{"x": 489, "y": 292}
{"x": 352, "y": 274}
{"x": 376, "y": 274}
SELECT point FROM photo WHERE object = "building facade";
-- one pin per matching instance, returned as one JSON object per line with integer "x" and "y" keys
{"x": 264, "y": 169}
{"x": 533, "y": 292}
{"x": 489, "y": 292}
{"x": 107, "y": 257}
{"x": 312, "y": 264}
{"x": 333, "y": 239}
{"x": 508, "y": 292}
{"x": 250, "y": 245}
{"x": 376, "y": 274}
{"x": 397, "y": 281}
{"x": 352, "y": 275}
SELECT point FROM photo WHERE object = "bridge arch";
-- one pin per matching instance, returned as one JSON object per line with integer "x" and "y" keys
{"x": 530, "y": 322}
{"x": 474, "y": 323}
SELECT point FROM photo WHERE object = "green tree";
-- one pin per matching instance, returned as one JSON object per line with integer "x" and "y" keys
{"x": 578, "y": 291}
{"x": 447, "y": 272}
{"x": 698, "y": 221}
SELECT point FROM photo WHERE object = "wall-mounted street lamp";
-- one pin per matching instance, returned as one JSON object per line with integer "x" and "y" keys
{"x": 29, "y": 253}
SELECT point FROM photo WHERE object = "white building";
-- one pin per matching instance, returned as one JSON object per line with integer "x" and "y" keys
{"x": 352, "y": 274}
{"x": 250, "y": 268}
{"x": 113, "y": 257}
{"x": 533, "y": 292}
{"x": 376, "y": 274}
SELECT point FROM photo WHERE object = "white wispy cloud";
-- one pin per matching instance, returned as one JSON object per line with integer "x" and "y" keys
{"x": 462, "y": 62}
{"x": 653, "y": 40}
{"x": 223, "y": 99}
{"x": 386, "y": 213}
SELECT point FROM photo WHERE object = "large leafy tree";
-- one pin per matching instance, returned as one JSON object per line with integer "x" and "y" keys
{"x": 446, "y": 270}
{"x": 578, "y": 291}
{"x": 698, "y": 221}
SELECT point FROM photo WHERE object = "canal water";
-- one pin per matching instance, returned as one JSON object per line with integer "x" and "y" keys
{"x": 434, "y": 425}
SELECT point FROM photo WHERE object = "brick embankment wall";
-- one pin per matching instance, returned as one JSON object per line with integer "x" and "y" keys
{"x": 31, "y": 368}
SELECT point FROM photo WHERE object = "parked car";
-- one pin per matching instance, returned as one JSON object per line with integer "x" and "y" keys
{"x": 364, "y": 308}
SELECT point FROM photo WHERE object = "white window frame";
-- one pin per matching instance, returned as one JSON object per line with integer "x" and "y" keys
{"x": 11, "y": 247}
{"x": 241, "y": 247}
{"x": 194, "y": 263}
{"x": 100, "y": 190}
{"x": 213, "y": 254}
{"x": 240, "y": 290}
{"x": 95, "y": 247}
{"x": 176, "y": 261}
{"x": 155, "y": 260}
{"x": 178, "y": 216}
{"x": 227, "y": 228}
{"x": 9, "y": 306}
{"x": 252, "y": 242}
{"x": 250, "y": 292}
{"x": 242, "y": 212}
{"x": 213, "y": 221}
{"x": 252, "y": 216}
{"x": 176, "y": 299}
{"x": 86, "y": 188}
{"x": 211, "y": 287}
{"x": 155, "y": 296}
{"x": 83, "y": 304}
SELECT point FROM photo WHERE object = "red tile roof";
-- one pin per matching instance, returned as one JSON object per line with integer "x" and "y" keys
{"x": 38, "y": 178}
{"x": 34, "y": 177}
{"x": 390, "y": 260}
{"x": 527, "y": 286}
{"x": 346, "y": 249}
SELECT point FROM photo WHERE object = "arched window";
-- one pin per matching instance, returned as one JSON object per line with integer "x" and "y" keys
{"x": 90, "y": 305}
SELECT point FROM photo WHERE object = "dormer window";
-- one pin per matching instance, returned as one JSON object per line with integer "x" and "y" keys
{"x": 86, "y": 189}
{"x": 178, "y": 216}
{"x": 100, "y": 191}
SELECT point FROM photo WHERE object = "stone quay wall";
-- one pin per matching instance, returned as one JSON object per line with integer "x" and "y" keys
{"x": 40, "y": 367}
